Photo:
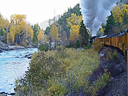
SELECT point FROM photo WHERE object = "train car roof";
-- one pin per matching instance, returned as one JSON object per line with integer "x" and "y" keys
{"x": 114, "y": 35}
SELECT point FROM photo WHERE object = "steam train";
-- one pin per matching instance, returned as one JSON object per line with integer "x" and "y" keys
{"x": 119, "y": 41}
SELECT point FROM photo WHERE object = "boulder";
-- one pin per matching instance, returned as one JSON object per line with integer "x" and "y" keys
{"x": 4, "y": 48}
{"x": 29, "y": 46}
{"x": 11, "y": 94}
{"x": 28, "y": 56}
{"x": 3, "y": 94}
{"x": 16, "y": 57}
{"x": 15, "y": 47}
{"x": 1, "y": 50}
{"x": 2, "y": 44}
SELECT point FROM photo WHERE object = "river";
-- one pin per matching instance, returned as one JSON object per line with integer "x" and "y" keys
{"x": 13, "y": 65}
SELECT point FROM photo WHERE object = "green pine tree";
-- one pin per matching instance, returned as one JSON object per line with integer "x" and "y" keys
{"x": 47, "y": 31}
{"x": 84, "y": 35}
{"x": 1, "y": 32}
{"x": 125, "y": 18}
{"x": 110, "y": 23}
{"x": 77, "y": 44}
{"x": 36, "y": 29}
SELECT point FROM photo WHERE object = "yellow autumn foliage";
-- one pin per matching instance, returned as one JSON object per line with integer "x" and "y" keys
{"x": 124, "y": 8}
{"x": 54, "y": 32}
{"x": 20, "y": 27}
{"x": 29, "y": 31}
{"x": 45, "y": 38}
{"x": 74, "y": 35}
{"x": 19, "y": 21}
{"x": 74, "y": 20}
{"x": 57, "y": 72}
{"x": 102, "y": 30}
{"x": 40, "y": 35}
{"x": 117, "y": 13}
{"x": 12, "y": 33}
{"x": 5, "y": 23}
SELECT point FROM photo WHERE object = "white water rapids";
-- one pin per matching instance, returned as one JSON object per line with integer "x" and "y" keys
{"x": 13, "y": 65}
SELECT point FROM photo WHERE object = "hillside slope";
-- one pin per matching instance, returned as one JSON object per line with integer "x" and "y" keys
{"x": 117, "y": 68}
{"x": 43, "y": 25}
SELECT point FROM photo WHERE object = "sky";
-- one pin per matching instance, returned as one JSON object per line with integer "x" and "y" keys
{"x": 36, "y": 10}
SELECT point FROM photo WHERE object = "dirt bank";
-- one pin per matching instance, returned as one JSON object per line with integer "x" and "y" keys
{"x": 117, "y": 68}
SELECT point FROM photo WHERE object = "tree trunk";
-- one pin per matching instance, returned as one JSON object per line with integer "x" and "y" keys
{"x": 50, "y": 41}
{"x": 55, "y": 44}
{"x": 7, "y": 39}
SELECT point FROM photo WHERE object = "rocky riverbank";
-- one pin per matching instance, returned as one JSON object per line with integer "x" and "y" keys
{"x": 4, "y": 46}
{"x": 11, "y": 47}
{"x": 6, "y": 94}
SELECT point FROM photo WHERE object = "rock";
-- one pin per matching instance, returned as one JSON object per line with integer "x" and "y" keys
{"x": 2, "y": 44}
{"x": 16, "y": 57}
{"x": 28, "y": 56}
{"x": 4, "y": 48}
{"x": 29, "y": 46}
{"x": 11, "y": 94}
{"x": 28, "y": 68}
{"x": 11, "y": 47}
{"x": 1, "y": 50}
{"x": 15, "y": 47}
{"x": 101, "y": 55}
{"x": 3, "y": 94}
{"x": 80, "y": 48}
{"x": 112, "y": 78}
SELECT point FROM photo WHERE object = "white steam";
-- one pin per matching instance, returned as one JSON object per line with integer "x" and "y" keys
{"x": 95, "y": 13}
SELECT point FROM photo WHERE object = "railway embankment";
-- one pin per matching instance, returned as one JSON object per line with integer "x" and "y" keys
{"x": 112, "y": 60}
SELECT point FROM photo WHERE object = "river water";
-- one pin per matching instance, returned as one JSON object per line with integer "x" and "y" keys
{"x": 13, "y": 65}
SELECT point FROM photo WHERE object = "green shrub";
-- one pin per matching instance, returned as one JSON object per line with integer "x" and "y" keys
{"x": 61, "y": 52}
{"x": 59, "y": 72}
{"x": 114, "y": 55}
{"x": 69, "y": 45}
{"x": 43, "y": 47}
{"x": 23, "y": 44}
{"x": 88, "y": 46}
{"x": 97, "y": 46}
{"x": 77, "y": 44}
{"x": 100, "y": 83}
{"x": 1, "y": 32}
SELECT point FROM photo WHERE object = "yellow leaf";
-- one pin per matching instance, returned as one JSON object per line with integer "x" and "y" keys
{"x": 54, "y": 32}
{"x": 12, "y": 33}
{"x": 74, "y": 33}
{"x": 40, "y": 35}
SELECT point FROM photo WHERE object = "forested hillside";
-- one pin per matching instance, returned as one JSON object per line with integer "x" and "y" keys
{"x": 68, "y": 27}
{"x": 67, "y": 30}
